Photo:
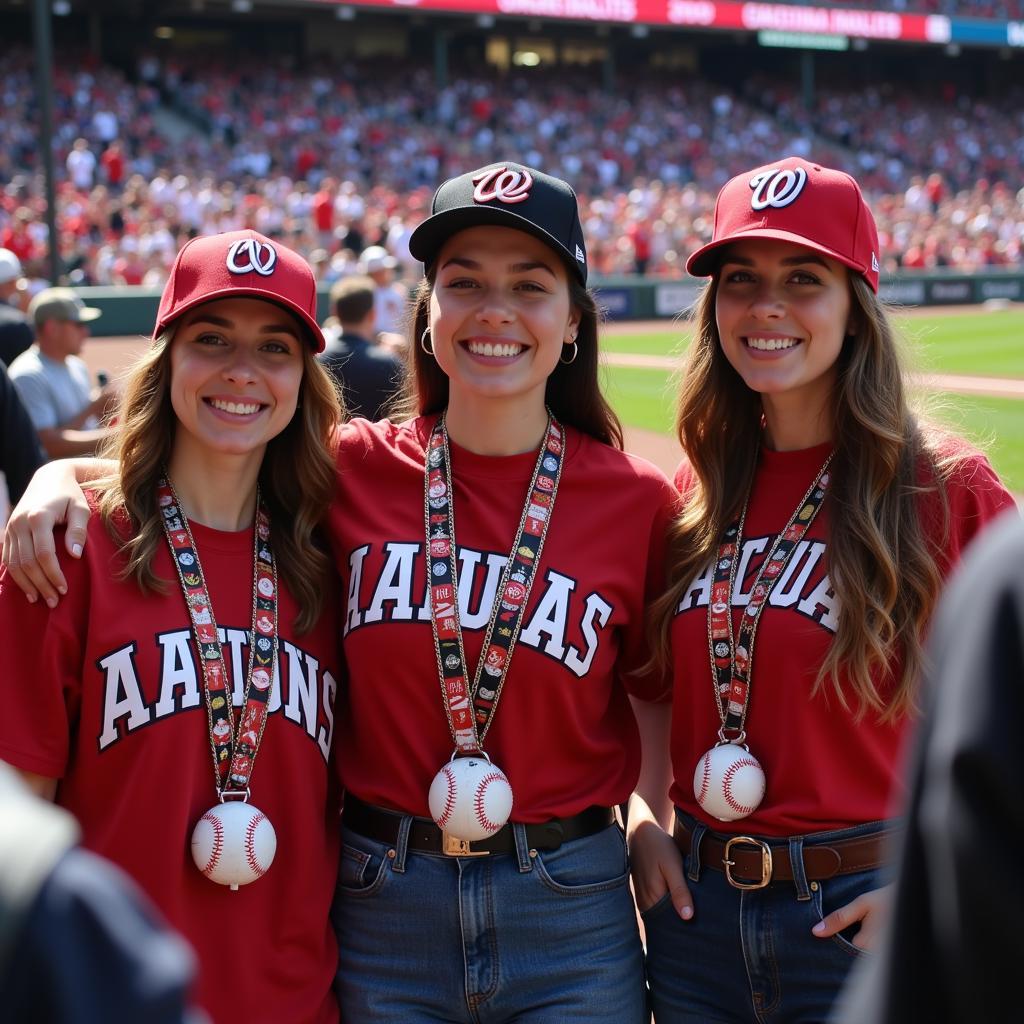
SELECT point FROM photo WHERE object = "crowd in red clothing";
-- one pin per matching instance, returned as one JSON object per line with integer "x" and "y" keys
{"x": 339, "y": 157}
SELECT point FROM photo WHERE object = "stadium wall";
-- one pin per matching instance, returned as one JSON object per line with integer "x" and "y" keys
{"x": 128, "y": 311}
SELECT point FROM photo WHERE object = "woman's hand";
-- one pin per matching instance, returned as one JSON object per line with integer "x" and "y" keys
{"x": 52, "y": 497}
{"x": 657, "y": 868}
{"x": 871, "y": 909}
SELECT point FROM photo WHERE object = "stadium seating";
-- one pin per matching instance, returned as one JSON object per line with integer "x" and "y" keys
{"x": 338, "y": 157}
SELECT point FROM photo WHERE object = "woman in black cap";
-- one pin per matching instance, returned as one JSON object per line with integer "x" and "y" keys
{"x": 486, "y": 733}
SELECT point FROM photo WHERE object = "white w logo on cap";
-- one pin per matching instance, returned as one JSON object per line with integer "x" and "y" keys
{"x": 247, "y": 255}
{"x": 503, "y": 184}
{"x": 776, "y": 187}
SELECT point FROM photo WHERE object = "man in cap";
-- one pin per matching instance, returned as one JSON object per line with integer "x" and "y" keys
{"x": 390, "y": 298}
{"x": 15, "y": 332}
{"x": 53, "y": 381}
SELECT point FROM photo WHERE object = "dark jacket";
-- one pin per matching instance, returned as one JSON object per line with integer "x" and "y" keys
{"x": 20, "y": 452}
{"x": 15, "y": 333}
{"x": 951, "y": 954}
{"x": 368, "y": 374}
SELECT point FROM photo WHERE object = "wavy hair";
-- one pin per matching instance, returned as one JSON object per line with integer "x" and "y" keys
{"x": 296, "y": 477}
{"x": 573, "y": 390}
{"x": 883, "y": 559}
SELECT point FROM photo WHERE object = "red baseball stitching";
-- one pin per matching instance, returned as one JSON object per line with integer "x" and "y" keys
{"x": 478, "y": 802}
{"x": 218, "y": 840}
{"x": 743, "y": 762}
{"x": 706, "y": 780}
{"x": 250, "y": 835}
{"x": 449, "y": 799}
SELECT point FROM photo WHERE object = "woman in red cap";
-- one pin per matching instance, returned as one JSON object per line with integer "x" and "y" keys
{"x": 182, "y": 705}
{"x": 820, "y": 518}
{"x": 485, "y": 733}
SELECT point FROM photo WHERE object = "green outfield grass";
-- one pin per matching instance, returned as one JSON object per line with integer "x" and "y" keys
{"x": 984, "y": 344}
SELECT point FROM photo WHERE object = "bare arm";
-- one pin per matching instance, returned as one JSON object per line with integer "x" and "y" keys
{"x": 52, "y": 497}
{"x": 66, "y": 442}
{"x": 656, "y": 863}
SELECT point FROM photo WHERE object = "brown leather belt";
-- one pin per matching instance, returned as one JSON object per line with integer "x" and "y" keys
{"x": 425, "y": 837}
{"x": 751, "y": 863}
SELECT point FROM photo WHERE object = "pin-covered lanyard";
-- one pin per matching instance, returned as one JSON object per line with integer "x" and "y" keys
{"x": 234, "y": 748}
{"x": 732, "y": 660}
{"x": 470, "y": 711}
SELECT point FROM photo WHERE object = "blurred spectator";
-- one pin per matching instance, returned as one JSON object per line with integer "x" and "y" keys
{"x": 389, "y": 298}
{"x": 20, "y": 452}
{"x": 951, "y": 951}
{"x": 79, "y": 944}
{"x": 53, "y": 382}
{"x": 15, "y": 332}
{"x": 81, "y": 164}
{"x": 368, "y": 373}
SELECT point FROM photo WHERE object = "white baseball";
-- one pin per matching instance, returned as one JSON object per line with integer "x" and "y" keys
{"x": 470, "y": 798}
{"x": 233, "y": 843}
{"x": 728, "y": 782}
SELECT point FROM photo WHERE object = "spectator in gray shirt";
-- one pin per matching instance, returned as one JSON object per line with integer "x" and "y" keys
{"x": 53, "y": 382}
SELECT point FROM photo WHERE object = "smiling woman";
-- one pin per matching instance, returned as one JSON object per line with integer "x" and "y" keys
{"x": 528, "y": 619}
{"x": 202, "y": 605}
{"x": 820, "y": 518}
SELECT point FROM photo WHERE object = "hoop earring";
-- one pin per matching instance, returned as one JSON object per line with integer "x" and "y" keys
{"x": 423, "y": 342}
{"x": 575, "y": 352}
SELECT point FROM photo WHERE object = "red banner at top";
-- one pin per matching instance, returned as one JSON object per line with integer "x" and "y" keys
{"x": 706, "y": 14}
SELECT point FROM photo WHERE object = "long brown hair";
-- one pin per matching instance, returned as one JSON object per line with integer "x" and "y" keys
{"x": 296, "y": 477}
{"x": 573, "y": 391}
{"x": 883, "y": 559}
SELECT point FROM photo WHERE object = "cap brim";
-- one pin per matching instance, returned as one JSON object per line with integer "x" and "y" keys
{"x": 426, "y": 241}
{"x": 316, "y": 334}
{"x": 87, "y": 313}
{"x": 704, "y": 262}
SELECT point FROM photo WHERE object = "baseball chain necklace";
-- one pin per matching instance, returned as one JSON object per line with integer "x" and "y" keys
{"x": 234, "y": 750}
{"x": 470, "y": 711}
{"x": 732, "y": 659}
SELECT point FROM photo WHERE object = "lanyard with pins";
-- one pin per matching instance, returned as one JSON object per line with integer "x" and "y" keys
{"x": 470, "y": 711}
{"x": 732, "y": 659}
{"x": 234, "y": 749}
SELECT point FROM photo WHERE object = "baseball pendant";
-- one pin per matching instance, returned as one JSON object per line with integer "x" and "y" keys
{"x": 233, "y": 843}
{"x": 728, "y": 782}
{"x": 470, "y": 798}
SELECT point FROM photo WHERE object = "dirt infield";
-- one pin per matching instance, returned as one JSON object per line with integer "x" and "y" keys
{"x": 114, "y": 355}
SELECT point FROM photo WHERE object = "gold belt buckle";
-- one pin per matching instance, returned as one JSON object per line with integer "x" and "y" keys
{"x": 766, "y": 863}
{"x": 454, "y": 847}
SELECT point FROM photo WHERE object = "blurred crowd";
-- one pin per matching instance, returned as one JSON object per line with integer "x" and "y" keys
{"x": 339, "y": 157}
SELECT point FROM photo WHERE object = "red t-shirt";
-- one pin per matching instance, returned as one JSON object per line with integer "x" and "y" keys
{"x": 563, "y": 732}
{"x": 105, "y": 694}
{"x": 823, "y": 768}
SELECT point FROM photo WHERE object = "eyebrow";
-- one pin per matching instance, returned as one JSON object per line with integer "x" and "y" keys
{"x": 516, "y": 268}
{"x": 219, "y": 321}
{"x": 789, "y": 261}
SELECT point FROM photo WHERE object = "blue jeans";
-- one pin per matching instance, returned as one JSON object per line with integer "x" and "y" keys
{"x": 537, "y": 937}
{"x": 749, "y": 956}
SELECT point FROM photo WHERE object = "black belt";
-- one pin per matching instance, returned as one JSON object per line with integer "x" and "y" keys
{"x": 425, "y": 837}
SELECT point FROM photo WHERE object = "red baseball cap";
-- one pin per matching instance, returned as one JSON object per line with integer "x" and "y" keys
{"x": 793, "y": 200}
{"x": 240, "y": 263}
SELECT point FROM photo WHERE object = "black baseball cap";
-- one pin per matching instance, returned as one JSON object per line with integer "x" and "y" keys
{"x": 509, "y": 195}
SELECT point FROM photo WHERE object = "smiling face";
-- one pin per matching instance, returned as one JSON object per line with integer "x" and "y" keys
{"x": 782, "y": 313}
{"x": 500, "y": 315}
{"x": 236, "y": 368}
